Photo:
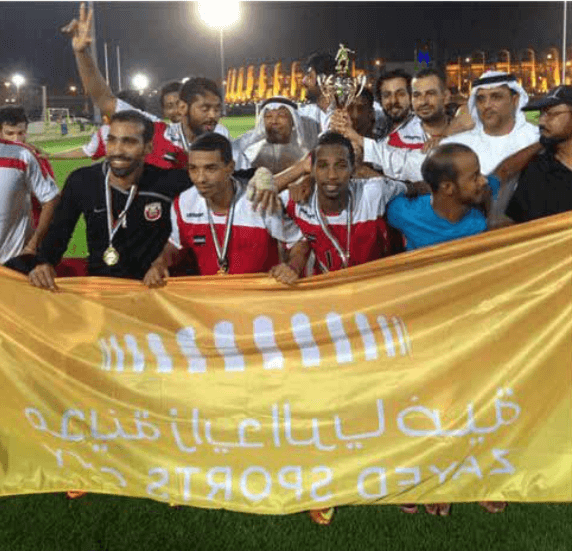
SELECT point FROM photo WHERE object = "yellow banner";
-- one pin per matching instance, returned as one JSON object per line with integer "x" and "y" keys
{"x": 443, "y": 374}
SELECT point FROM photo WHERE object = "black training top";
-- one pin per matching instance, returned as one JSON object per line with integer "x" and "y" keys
{"x": 544, "y": 188}
{"x": 148, "y": 222}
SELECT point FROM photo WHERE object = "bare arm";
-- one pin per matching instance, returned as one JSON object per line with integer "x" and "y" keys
{"x": 158, "y": 274}
{"x": 290, "y": 273}
{"x": 43, "y": 223}
{"x": 516, "y": 162}
{"x": 461, "y": 122}
{"x": 301, "y": 168}
{"x": 78, "y": 153}
{"x": 93, "y": 82}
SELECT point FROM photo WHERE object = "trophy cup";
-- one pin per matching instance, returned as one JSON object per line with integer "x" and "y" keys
{"x": 341, "y": 87}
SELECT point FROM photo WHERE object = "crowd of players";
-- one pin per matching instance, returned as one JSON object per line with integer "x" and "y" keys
{"x": 311, "y": 189}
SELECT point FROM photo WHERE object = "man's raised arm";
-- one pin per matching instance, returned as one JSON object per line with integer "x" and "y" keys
{"x": 517, "y": 162}
{"x": 93, "y": 82}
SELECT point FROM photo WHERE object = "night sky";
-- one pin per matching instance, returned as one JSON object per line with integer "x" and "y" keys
{"x": 167, "y": 40}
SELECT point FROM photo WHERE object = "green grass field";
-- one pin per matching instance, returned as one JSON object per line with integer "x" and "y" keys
{"x": 51, "y": 522}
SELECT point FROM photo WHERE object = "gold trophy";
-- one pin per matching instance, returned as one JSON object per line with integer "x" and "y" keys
{"x": 341, "y": 87}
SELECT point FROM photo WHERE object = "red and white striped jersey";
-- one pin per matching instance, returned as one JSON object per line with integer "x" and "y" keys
{"x": 20, "y": 176}
{"x": 408, "y": 135}
{"x": 96, "y": 147}
{"x": 253, "y": 243}
{"x": 369, "y": 238}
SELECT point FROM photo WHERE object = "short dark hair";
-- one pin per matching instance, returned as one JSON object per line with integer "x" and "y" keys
{"x": 212, "y": 141}
{"x": 133, "y": 98}
{"x": 170, "y": 88}
{"x": 136, "y": 117}
{"x": 333, "y": 138}
{"x": 197, "y": 86}
{"x": 12, "y": 115}
{"x": 440, "y": 164}
{"x": 432, "y": 72}
{"x": 367, "y": 95}
{"x": 322, "y": 63}
{"x": 390, "y": 75}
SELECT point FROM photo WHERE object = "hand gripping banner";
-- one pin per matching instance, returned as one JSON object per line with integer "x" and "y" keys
{"x": 440, "y": 375}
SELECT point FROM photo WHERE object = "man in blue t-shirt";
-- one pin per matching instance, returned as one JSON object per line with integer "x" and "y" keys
{"x": 458, "y": 189}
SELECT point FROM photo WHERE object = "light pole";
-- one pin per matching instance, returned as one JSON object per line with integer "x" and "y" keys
{"x": 18, "y": 80}
{"x": 140, "y": 82}
{"x": 220, "y": 14}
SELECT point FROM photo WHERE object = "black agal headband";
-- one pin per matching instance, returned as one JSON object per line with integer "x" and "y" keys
{"x": 499, "y": 79}
{"x": 285, "y": 101}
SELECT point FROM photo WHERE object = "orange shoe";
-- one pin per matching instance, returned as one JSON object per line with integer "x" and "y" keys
{"x": 438, "y": 509}
{"x": 73, "y": 494}
{"x": 493, "y": 506}
{"x": 323, "y": 517}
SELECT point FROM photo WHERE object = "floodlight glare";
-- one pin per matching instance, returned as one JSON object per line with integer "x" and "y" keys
{"x": 140, "y": 82}
{"x": 219, "y": 14}
{"x": 18, "y": 80}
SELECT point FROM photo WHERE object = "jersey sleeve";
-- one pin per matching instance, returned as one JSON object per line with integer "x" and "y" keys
{"x": 175, "y": 237}
{"x": 96, "y": 146}
{"x": 383, "y": 190}
{"x": 66, "y": 215}
{"x": 283, "y": 228}
{"x": 41, "y": 184}
{"x": 121, "y": 105}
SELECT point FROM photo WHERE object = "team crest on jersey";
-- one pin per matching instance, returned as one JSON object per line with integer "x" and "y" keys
{"x": 153, "y": 211}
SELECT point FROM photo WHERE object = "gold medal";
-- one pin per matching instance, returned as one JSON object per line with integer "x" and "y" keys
{"x": 111, "y": 256}
{"x": 221, "y": 271}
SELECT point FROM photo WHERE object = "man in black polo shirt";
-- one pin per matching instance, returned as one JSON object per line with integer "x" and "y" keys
{"x": 126, "y": 204}
{"x": 545, "y": 186}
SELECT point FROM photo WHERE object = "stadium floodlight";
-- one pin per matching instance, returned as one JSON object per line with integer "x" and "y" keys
{"x": 220, "y": 14}
{"x": 140, "y": 82}
{"x": 18, "y": 80}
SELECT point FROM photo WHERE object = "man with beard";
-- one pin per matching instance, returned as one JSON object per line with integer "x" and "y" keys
{"x": 125, "y": 203}
{"x": 545, "y": 185}
{"x": 95, "y": 148}
{"x": 453, "y": 171}
{"x": 500, "y": 129}
{"x": 278, "y": 139}
{"x": 393, "y": 90}
{"x": 199, "y": 106}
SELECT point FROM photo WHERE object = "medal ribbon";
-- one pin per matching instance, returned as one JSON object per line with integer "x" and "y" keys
{"x": 111, "y": 227}
{"x": 344, "y": 256}
{"x": 221, "y": 255}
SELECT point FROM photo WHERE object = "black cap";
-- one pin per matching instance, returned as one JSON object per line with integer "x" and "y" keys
{"x": 560, "y": 94}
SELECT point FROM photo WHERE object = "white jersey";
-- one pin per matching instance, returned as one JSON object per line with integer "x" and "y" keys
{"x": 492, "y": 150}
{"x": 20, "y": 177}
{"x": 396, "y": 162}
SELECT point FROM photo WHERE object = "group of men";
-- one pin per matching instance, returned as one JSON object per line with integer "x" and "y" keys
{"x": 311, "y": 189}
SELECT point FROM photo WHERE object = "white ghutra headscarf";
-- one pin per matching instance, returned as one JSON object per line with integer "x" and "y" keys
{"x": 492, "y": 79}
{"x": 252, "y": 142}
